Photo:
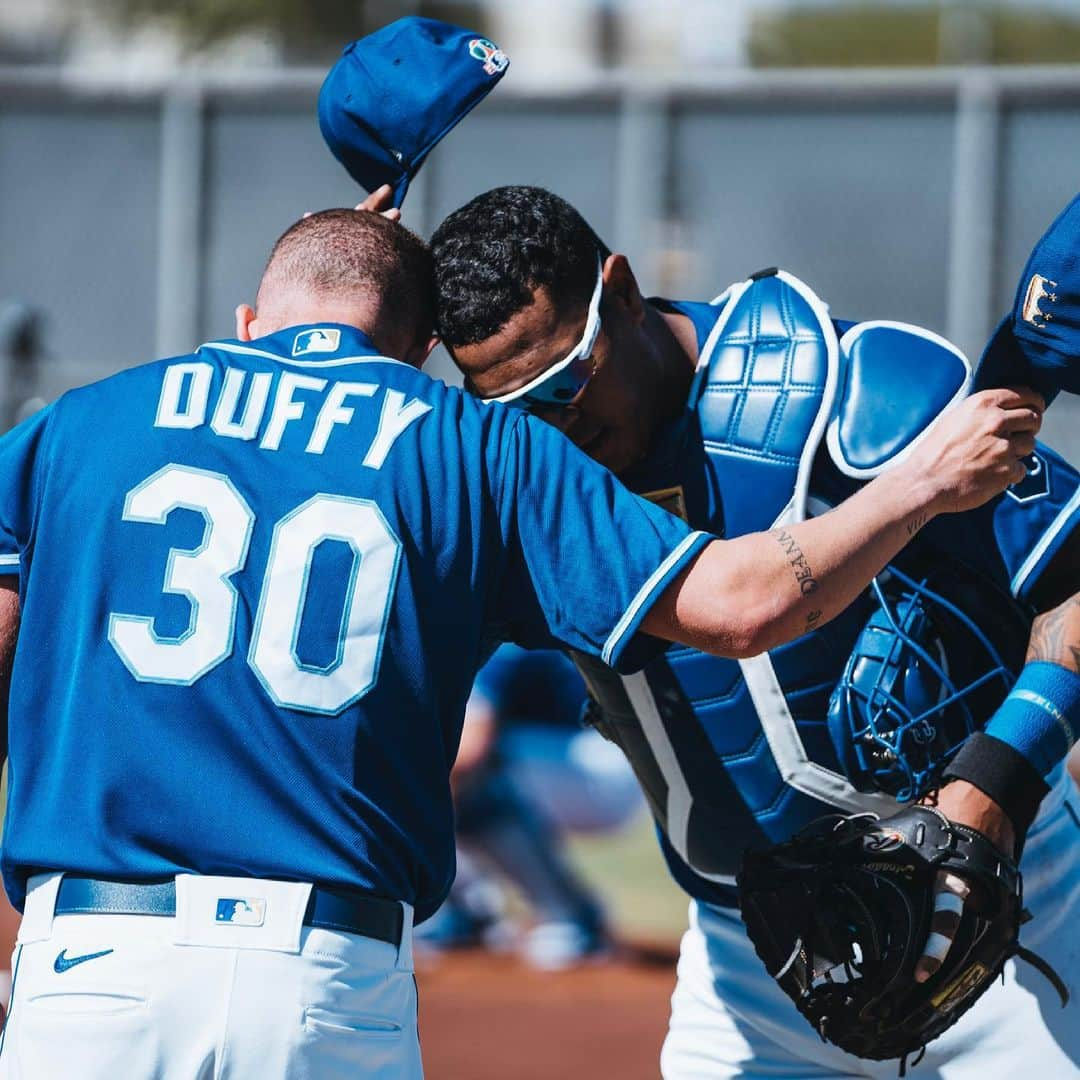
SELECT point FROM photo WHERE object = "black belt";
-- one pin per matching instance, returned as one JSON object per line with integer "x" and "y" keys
{"x": 327, "y": 909}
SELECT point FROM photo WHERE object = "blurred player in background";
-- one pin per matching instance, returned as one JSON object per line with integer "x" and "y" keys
{"x": 718, "y": 412}
{"x": 527, "y": 775}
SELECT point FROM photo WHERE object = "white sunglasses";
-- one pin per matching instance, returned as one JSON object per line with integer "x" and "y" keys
{"x": 563, "y": 381}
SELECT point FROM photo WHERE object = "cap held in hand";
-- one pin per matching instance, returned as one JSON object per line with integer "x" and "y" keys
{"x": 395, "y": 93}
{"x": 1038, "y": 343}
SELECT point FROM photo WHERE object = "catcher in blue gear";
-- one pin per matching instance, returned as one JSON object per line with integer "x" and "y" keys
{"x": 758, "y": 410}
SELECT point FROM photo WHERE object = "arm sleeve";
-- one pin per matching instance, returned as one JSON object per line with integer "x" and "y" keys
{"x": 585, "y": 558}
{"x": 1034, "y": 520}
{"x": 21, "y": 466}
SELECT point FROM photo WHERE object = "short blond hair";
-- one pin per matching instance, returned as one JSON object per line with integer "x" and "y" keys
{"x": 356, "y": 254}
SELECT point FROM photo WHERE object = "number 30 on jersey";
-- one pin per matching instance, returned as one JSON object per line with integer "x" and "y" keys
{"x": 203, "y": 575}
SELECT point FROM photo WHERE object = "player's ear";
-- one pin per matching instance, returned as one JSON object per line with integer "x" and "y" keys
{"x": 621, "y": 287}
{"x": 245, "y": 321}
{"x": 420, "y": 351}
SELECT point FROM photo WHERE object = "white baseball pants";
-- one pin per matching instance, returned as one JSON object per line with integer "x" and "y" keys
{"x": 288, "y": 1002}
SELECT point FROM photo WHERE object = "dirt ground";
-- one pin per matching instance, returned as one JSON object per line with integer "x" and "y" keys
{"x": 487, "y": 1017}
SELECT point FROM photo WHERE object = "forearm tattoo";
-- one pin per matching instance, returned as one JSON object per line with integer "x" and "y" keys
{"x": 1055, "y": 636}
{"x": 917, "y": 522}
{"x": 804, "y": 575}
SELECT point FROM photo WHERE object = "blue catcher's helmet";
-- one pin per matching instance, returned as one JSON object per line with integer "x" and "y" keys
{"x": 933, "y": 662}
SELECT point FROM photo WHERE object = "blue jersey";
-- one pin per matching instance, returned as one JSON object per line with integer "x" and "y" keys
{"x": 256, "y": 584}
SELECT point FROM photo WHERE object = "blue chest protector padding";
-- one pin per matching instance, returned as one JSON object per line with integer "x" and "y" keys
{"x": 742, "y": 457}
{"x": 764, "y": 390}
{"x": 767, "y": 386}
{"x": 738, "y": 754}
{"x": 897, "y": 380}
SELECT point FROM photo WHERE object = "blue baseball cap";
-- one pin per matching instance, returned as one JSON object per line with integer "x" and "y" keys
{"x": 1038, "y": 342}
{"x": 395, "y": 93}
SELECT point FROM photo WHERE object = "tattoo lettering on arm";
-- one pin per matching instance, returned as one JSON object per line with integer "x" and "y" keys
{"x": 1055, "y": 636}
{"x": 917, "y": 522}
{"x": 804, "y": 576}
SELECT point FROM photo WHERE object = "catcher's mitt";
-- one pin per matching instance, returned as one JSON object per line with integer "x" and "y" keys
{"x": 840, "y": 915}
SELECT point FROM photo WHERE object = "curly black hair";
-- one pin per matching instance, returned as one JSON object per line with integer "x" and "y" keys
{"x": 497, "y": 249}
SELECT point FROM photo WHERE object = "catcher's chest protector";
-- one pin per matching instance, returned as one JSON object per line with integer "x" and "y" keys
{"x": 732, "y": 753}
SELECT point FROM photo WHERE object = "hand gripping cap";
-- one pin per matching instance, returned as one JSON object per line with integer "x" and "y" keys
{"x": 395, "y": 93}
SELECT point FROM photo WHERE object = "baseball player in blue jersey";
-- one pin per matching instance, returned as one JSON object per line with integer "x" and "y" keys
{"x": 756, "y": 411}
{"x": 247, "y": 593}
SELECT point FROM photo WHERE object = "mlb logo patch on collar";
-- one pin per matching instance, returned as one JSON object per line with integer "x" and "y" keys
{"x": 241, "y": 911}
{"x": 323, "y": 340}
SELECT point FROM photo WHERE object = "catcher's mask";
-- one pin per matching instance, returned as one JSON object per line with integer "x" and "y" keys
{"x": 935, "y": 659}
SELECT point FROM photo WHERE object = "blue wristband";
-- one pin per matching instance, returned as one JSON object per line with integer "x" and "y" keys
{"x": 1041, "y": 715}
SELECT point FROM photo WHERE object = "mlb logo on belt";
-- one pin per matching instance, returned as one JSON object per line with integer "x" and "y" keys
{"x": 241, "y": 911}
{"x": 323, "y": 340}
